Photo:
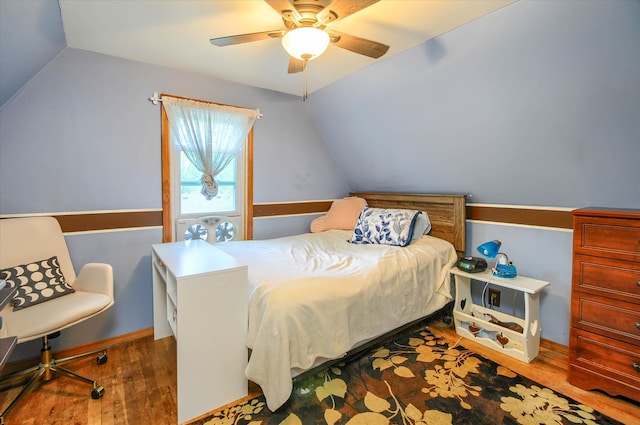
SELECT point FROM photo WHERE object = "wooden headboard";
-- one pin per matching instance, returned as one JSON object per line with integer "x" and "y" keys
{"x": 447, "y": 212}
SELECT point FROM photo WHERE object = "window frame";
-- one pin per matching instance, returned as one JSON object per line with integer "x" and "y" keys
{"x": 167, "y": 183}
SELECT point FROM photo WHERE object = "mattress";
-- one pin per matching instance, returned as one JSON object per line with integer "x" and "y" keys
{"x": 316, "y": 296}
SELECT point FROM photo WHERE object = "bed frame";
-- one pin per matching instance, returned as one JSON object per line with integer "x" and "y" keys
{"x": 447, "y": 212}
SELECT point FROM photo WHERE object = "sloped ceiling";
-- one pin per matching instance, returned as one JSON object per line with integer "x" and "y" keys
{"x": 31, "y": 35}
{"x": 176, "y": 33}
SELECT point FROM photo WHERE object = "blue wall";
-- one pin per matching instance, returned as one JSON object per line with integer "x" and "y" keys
{"x": 536, "y": 104}
{"x": 31, "y": 34}
{"x": 81, "y": 135}
{"x": 92, "y": 139}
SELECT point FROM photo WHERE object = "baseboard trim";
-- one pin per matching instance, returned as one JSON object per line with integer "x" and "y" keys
{"x": 85, "y": 348}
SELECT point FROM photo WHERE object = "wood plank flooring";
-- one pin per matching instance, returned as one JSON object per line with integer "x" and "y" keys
{"x": 140, "y": 386}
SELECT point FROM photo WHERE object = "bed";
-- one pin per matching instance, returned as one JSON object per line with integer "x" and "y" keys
{"x": 315, "y": 297}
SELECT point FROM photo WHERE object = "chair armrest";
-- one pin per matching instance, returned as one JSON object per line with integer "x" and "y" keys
{"x": 95, "y": 277}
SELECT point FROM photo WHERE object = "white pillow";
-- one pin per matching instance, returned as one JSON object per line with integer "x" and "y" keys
{"x": 421, "y": 227}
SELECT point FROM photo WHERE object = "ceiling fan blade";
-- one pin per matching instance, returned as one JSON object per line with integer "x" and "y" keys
{"x": 286, "y": 9}
{"x": 246, "y": 38}
{"x": 359, "y": 45}
{"x": 340, "y": 9}
{"x": 296, "y": 65}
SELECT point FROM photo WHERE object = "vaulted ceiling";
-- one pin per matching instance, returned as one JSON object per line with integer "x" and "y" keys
{"x": 176, "y": 34}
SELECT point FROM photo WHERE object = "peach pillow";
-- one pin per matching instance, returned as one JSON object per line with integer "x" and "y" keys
{"x": 343, "y": 215}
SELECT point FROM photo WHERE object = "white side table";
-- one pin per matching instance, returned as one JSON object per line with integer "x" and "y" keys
{"x": 200, "y": 296}
{"x": 488, "y": 327}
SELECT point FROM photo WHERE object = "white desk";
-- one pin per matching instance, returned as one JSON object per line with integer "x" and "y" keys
{"x": 200, "y": 297}
{"x": 467, "y": 315}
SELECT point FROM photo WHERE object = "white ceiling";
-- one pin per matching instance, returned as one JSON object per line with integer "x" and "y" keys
{"x": 176, "y": 33}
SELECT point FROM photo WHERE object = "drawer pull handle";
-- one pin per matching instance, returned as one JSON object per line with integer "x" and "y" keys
{"x": 636, "y": 366}
{"x": 638, "y": 325}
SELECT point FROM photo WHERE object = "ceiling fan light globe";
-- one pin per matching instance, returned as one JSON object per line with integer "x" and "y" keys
{"x": 306, "y": 43}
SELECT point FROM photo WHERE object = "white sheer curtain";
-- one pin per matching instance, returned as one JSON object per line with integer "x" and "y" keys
{"x": 210, "y": 135}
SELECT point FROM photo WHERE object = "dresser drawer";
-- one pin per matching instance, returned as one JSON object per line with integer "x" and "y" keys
{"x": 611, "y": 318}
{"x": 616, "y": 363}
{"x": 614, "y": 238}
{"x": 605, "y": 277}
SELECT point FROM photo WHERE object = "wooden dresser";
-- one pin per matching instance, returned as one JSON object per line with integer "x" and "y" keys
{"x": 604, "y": 346}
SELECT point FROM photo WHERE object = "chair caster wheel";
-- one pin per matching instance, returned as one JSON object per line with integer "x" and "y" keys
{"x": 97, "y": 392}
{"x": 102, "y": 358}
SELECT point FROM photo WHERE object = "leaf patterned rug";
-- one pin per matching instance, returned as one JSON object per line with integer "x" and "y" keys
{"x": 417, "y": 379}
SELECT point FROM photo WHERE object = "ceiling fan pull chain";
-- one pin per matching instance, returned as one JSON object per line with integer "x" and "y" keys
{"x": 305, "y": 94}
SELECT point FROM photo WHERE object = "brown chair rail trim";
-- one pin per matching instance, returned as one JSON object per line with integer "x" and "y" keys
{"x": 98, "y": 221}
{"x": 269, "y": 210}
{"x": 523, "y": 216}
{"x": 540, "y": 217}
{"x": 108, "y": 220}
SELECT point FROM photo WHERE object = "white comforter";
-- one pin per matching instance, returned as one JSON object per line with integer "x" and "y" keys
{"x": 316, "y": 296}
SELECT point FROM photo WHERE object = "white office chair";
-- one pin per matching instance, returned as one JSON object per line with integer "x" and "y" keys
{"x": 29, "y": 240}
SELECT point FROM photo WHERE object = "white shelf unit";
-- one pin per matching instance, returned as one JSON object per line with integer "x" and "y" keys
{"x": 200, "y": 297}
{"x": 472, "y": 322}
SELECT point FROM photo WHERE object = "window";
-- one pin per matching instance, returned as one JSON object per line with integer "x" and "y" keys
{"x": 185, "y": 185}
{"x": 191, "y": 203}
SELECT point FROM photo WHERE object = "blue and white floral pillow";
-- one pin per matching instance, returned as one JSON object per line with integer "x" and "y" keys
{"x": 384, "y": 226}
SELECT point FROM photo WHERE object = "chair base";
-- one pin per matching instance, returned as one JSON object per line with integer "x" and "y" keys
{"x": 45, "y": 370}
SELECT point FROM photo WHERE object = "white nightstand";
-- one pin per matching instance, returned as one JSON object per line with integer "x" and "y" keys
{"x": 521, "y": 341}
{"x": 200, "y": 297}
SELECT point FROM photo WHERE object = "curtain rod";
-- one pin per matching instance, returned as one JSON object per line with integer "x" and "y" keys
{"x": 157, "y": 98}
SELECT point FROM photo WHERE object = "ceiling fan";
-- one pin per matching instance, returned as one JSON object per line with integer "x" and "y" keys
{"x": 306, "y": 34}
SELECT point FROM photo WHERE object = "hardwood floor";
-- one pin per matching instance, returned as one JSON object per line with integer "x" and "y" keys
{"x": 140, "y": 386}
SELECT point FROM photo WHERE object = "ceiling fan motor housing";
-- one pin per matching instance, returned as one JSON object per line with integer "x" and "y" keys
{"x": 312, "y": 16}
